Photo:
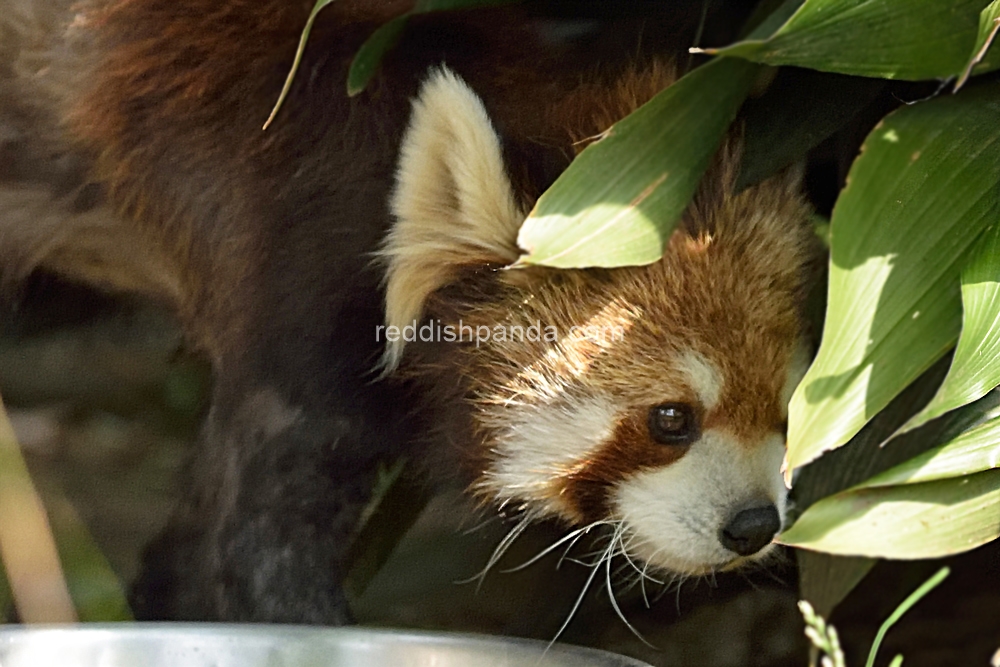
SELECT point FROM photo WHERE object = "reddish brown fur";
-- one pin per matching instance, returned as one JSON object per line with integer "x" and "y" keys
{"x": 262, "y": 243}
{"x": 210, "y": 71}
{"x": 594, "y": 106}
{"x": 729, "y": 287}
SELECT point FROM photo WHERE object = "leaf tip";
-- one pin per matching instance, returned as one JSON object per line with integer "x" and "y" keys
{"x": 786, "y": 472}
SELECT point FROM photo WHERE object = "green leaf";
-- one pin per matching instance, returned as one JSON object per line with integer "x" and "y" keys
{"x": 975, "y": 368}
{"x": 767, "y": 17}
{"x": 989, "y": 24}
{"x": 368, "y": 57}
{"x": 928, "y": 520}
{"x": 97, "y": 592}
{"x": 396, "y": 503}
{"x": 894, "y": 39}
{"x": 617, "y": 204}
{"x": 974, "y": 451}
{"x": 824, "y": 579}
{"x": 918, "y": 196}
{"x": 890, "y": 513}
{"x": 60, "y": 554}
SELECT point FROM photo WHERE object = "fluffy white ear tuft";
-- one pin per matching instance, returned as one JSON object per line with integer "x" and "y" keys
{"x": 453, "y": 201}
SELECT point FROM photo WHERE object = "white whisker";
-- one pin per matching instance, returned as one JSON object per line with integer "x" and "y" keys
{"x": 608, "y": 556}
{"x": 500, "y": 550}
{"x": 576, "y": 606}
{"x": 571, "y": 537}
{"x": 590, "y": 579}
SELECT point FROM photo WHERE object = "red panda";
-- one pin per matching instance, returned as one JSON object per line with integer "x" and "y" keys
{"x": 651, "y": 399}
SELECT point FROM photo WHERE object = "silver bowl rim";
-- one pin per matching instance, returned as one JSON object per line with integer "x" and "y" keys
{"x": 10, "y": 633}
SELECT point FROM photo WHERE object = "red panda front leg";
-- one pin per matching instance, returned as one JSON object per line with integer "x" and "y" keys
{"x": 278, "y": 484}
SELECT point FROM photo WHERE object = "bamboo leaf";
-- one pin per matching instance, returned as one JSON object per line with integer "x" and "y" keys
{"x": 617, "y": 204}
{"x": 980, "y": 61}
{"x": 893, "y": 39}
{"x": 368, "y": 57}
{"x": 396, "y": 503}
{"x": 856, "y": 467}
{"x": 975, "y": 368}
{"x": 974, "y": 451}
{"x": 927, "y": 520}
{"x": 918, "y": 196}
{"x": 825, "y": 579}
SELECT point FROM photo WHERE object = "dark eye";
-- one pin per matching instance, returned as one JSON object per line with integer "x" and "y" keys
{"x": 673, "y": 424}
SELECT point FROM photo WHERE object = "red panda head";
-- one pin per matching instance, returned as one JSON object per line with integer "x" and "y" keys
{"x": 651, "y": 398}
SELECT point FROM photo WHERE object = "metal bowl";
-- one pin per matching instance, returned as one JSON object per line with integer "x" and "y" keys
{"x": 212, "y": 645}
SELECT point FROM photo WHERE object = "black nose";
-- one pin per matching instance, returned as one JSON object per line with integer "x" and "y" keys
{"x": 751, "y": 530}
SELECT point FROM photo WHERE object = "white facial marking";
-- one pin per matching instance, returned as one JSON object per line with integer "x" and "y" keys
{"x": 702, "y": 376}
{"x": 673, "y": 515}
{"x": 542, "y": 443}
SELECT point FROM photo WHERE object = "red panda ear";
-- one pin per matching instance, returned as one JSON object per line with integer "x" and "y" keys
{"x": 453, "y": 202}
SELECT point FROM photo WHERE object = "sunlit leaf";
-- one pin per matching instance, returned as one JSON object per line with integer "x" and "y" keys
{"x": 927, "y": 520}
{"x": 878, "y": 517}
{"x": 975, "y": 368}
{"x": 974, "y": 451}
{"x": 825, "y": 579}
{"x": 894, "y": 39}
{"x": 918, "y": 196}
{"x": 637, "y": 180}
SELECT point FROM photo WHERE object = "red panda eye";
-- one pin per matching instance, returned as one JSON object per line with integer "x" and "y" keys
{"x": 673, "y": 424}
